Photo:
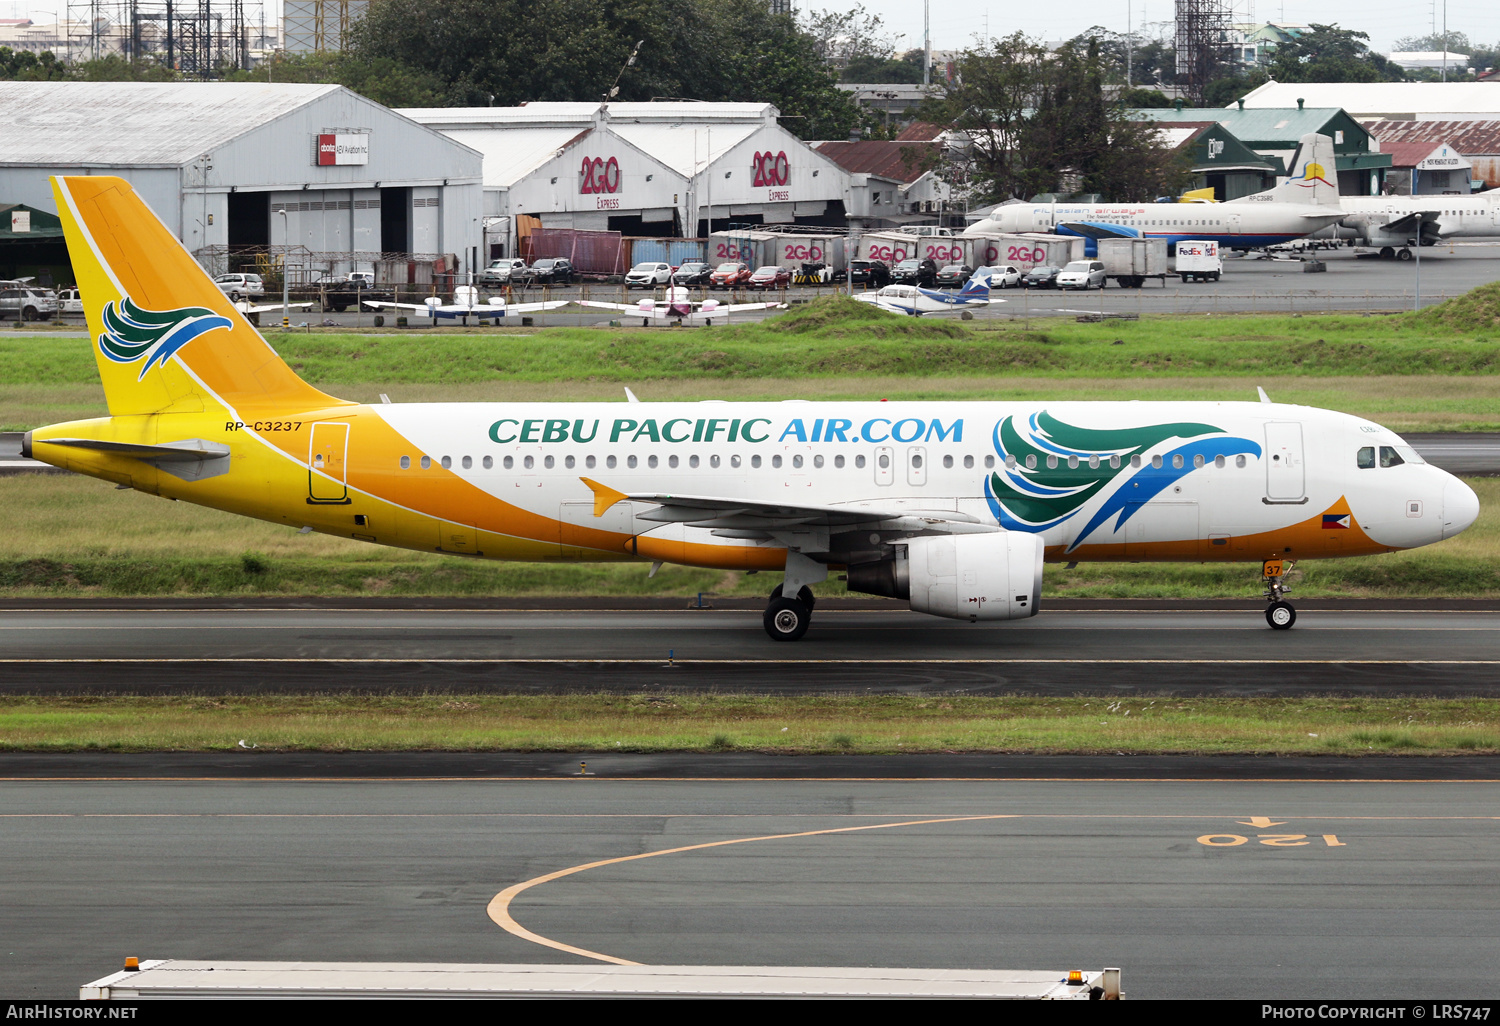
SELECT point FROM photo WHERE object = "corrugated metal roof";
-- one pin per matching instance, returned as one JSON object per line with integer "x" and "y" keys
{"x": 921, "y": 131}
{"x": 1250, "y": 125}
{"x": 684, "y": 147}
{"x": 136, "y": 123}
{"x": 885, "y": 159}
{"x": 1374, "y": 98}
{"x": 1467, "y": 137}
{"x": 1410, "y": 154}
{"x": 578, "y": 113}
{"x": 511, "y": 154}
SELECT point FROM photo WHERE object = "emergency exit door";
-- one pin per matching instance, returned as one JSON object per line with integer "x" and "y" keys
{"x": 1285, "y": 471}
{"x": 327, "y": 469}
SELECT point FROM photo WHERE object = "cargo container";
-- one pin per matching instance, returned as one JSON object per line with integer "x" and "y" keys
{"x": 667, "y": 251}
{"x": 1026, "y": 251}
{"x": 891, "y": 248}
{"x": 792, "y": 251}
{"x": 1131, "y": 261}
{"x": 749, "y": 247}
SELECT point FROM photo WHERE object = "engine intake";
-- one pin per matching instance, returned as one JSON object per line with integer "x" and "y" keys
{"x": 963, "y": 577}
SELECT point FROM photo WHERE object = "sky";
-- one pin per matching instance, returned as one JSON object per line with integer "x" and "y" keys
{"x": 956, "y": 23}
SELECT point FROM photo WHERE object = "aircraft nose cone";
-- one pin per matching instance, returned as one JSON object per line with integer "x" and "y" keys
{"x": 1460, "y": 507}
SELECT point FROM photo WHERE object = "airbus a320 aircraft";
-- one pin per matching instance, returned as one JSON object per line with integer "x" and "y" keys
{"x": 952, "y": 506}
{"x": 678, "y": 306}
{"x": 1306, "y": 202}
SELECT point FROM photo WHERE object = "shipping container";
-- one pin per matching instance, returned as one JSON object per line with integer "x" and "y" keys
{"x": 893, "y": 247}
{"x": 1131, "y": 261}
{"x": 750, "y": 247}
{"x": 1026, "y": 251}
{"x": 590, "y": 252}
{"x": 792, "y": 251}
{"x": 668, "y": 251}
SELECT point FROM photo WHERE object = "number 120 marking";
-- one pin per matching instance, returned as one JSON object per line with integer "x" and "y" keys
{"x": 1274, "y": 840}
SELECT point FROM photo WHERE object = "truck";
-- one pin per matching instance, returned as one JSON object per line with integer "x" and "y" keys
{"x": 1131, "y": 261}
{"x": 192, "y": 978}
{"x": 1025, "y": 251}
{"x": 341, "y": 291}
{"x": 1199, "y": 260}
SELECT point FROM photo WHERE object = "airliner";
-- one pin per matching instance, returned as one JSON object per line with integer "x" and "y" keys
{"x": 1393, "y": 223}
{"x": 950, "y": 506}
{"x": 1306, "y": 202}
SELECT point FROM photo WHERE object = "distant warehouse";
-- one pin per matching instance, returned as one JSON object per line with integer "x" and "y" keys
{"x": 220, "y": 162}
{"x": 644, "y": 169}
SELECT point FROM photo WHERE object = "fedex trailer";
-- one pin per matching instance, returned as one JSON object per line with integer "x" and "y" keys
{"x": 1199, "y": 260}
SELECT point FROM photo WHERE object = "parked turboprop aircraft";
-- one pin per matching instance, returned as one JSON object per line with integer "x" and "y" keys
{"x": 950, "y": 505}
{"x": 466, "y": 302}
{"x": 678, "y": 306}
{"x": 910, "y": 299}
{"x": 1392, "y": 221}
{"x": 252, "y": 311}
{"x": 1304, "y": 203}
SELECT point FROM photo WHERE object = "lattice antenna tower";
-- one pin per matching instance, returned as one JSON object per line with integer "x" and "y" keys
{"x": 320, "y": 26}
{"x": 1203, "y": 44}
{"x": 199, "y": 38}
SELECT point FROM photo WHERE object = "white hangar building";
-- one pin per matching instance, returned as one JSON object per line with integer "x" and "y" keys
{"x": 647, "y": 169}
{"x": 220, "y": 162}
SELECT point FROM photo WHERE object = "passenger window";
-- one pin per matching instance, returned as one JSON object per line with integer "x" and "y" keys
{"x": 631, "y": 462}
{"x": 838, "y": 461}
{"x": 916, "y": 461}
{"x": 1051, "y": 462}
{"x": 817, "y": 461}
{"x": 1389, "y": 457}
{"x": 426, "y": 462}
{"x": 885, "y": 461}
{"x": 510, "y": 461}
{"x": 948, "y": 461}
{"x": 447, "y": 462}
{"x": 1365, "y": 460}
{"x": 672, "y": 461}
{"x": 1197, "y": 462}
{"x": 776, "y": 461}
{"x": 1219, "y": 462}
{"x": 406, "y": 463}
{"x": 1031, "y": 462}
{"x": 859, "y": 461}
{"x": 692, "y": 461}
{"x": 755, "y": 461}
{"x": 530, "y": 462}
{"x": 1177, "y": 461}
{"x": 468, "y": 462}
{"x": 569, "y": 462}
{"x": 609, "y": 462}
{"x": 968, "y": 463}
{"x": 1114, "y": 463}
{"x": 1156, "y": 461}
{"x": 549, "y": 462}
{"x": 1239, "y": 461}
{"x": 797, "y": 462}
{"x": 650, "y": 462}
{"x": 734, "y": 461}
{"x": 1093, "y": 463}
{"x": 489, "y": 462}
{"x": 713, "y": 461}
{"x": 1135, "y": 461}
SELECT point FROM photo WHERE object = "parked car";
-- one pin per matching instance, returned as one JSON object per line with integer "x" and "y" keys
{"x": 1082, "y": 274}
{"x": 70, "y": 301}
{"x": 874, "y": 273}
{"x": 648, "y": 274}
{"x": 1042, "y": 276}
{"x": 1003, "y": 277}
{"x": 550, "y": 271}
{"x": 28, "y": 303}
{"x": 341, "y": 291}
{"x": 921, "y": 273}
{"x": 770, "y": 277}
{"x": 694, "y": 272}
{"x": 500, "y": 271}
{"x": 729, "y": 276}
{"x": 953, "y": 276}
{"x": 238, "y": 286}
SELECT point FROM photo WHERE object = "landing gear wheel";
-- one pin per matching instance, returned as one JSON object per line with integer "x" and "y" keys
{"x": 1280, "y": 615}
{"x": 805, "y": 596}
{"x": 786, "y": 620}
{"x": 1387, "y": 252}
{"x": 1403, "y": 254}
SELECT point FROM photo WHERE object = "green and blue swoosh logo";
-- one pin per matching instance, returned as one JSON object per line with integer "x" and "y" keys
{"x": 1037, "y": 497}
{"x": 133, "y": 333}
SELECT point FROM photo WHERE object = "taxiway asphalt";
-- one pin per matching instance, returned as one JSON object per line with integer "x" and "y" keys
{"x": 1248, "y": 888}
{"x": 1108, "y": 651}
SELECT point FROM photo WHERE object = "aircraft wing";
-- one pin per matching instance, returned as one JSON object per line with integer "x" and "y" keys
{"x": 732, "y": 308}
{"x": 420, "y": 307}
{"x": 1410, "y": 222}
{"x": 520, "y": 308}
{"x": 1099, "y": 230}
{"x": 266, "y": 307}
{"x": 620, "y": 307}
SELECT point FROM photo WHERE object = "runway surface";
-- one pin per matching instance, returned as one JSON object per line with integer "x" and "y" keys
{"x": 1197, "y": 888}
{"x": 1361, "y": 651}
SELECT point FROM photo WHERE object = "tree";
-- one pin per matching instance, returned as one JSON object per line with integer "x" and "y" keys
{"x": 1457, "y": 42}
{"x": 381, "y": 79}
{"x": 841, "y": 37}
{"x": 25, "y": 66}
{"x": 1328, "y": 53}
{"x": 1142, "y": 98}
{"x": 1221, "y": 92}
{"x": 903, "y": 70}
{"x": 1036, "y": 116}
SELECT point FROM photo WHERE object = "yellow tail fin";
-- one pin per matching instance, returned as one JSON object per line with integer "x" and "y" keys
{"x": 166, "y": 339}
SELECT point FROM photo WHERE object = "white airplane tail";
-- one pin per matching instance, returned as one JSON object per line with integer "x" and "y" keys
{"x": 1315, "y": 175}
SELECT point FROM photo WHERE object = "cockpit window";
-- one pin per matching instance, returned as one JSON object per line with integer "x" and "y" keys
{"x": 1409, "y": 454}
{"x": 1366, "y": 458}
{"x": 1389, "y": 457}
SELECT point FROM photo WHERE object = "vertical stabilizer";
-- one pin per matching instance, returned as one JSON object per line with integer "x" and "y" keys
{"x": 1314, "y": 174}
{"x": 166, "y": 339}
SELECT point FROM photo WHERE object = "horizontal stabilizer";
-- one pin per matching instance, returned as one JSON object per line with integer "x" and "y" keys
{"x": 191, "y": 451}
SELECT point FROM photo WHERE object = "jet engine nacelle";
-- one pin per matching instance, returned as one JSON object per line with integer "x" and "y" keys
{"x": 963, "y": 577}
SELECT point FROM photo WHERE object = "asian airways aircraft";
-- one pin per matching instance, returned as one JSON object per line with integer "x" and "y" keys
{"x": 465, "y": 304}
{"x": 1395, "y": 222}
{"x": 678, "y": 306}
{"x": 1306, "y": 202}
{"x": 915, "y": 301}
{"x": 952, "y": 506}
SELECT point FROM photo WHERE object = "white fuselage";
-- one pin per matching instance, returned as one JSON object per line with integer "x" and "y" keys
{"x": 1248, "y": 223}
{"x": 1455, "y": 217}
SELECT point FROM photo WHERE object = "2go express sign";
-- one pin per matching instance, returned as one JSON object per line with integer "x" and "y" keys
{"x": 769, "y": 170}
{"x": 598, "y": 175}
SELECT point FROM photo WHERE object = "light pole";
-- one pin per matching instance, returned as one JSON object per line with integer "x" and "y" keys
{"x": 286, "y": 242}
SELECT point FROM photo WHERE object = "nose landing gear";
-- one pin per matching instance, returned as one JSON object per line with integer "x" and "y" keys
{"x": 1279, "y": 614}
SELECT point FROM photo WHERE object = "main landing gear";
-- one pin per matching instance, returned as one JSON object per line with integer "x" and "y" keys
{"x": 787, "y": 619}
{"x": 1279, "y": 614}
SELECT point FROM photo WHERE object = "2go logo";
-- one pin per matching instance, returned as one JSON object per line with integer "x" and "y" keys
{"x": 599, "y": 175}
{"x": 1015, "y": 254}
{"x": 945, "y": 254}
{"x": 770, "y": 169}
{"x": 886, "y": 253}
{"x": 794, "y": 252}
{"x": 732, "y": 251}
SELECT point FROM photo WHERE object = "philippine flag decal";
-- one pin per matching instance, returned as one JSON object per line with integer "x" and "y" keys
{"x": 1336, "y": 521}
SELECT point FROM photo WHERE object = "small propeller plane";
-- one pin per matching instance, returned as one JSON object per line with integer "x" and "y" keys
{"x": 915, "y": 301}
{"x": 678, "y": 306}
{"x": 466, "y": 302}
{"x": 252, "y": 311}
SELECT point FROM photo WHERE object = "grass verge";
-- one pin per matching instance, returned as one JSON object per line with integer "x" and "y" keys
{"x": 70, "y": 536}
{"x": 805, "y": 725}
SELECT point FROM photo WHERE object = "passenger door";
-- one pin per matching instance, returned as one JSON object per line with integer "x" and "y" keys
{"x": 327, "y": 470}
{"x": 1285, "y": 473}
